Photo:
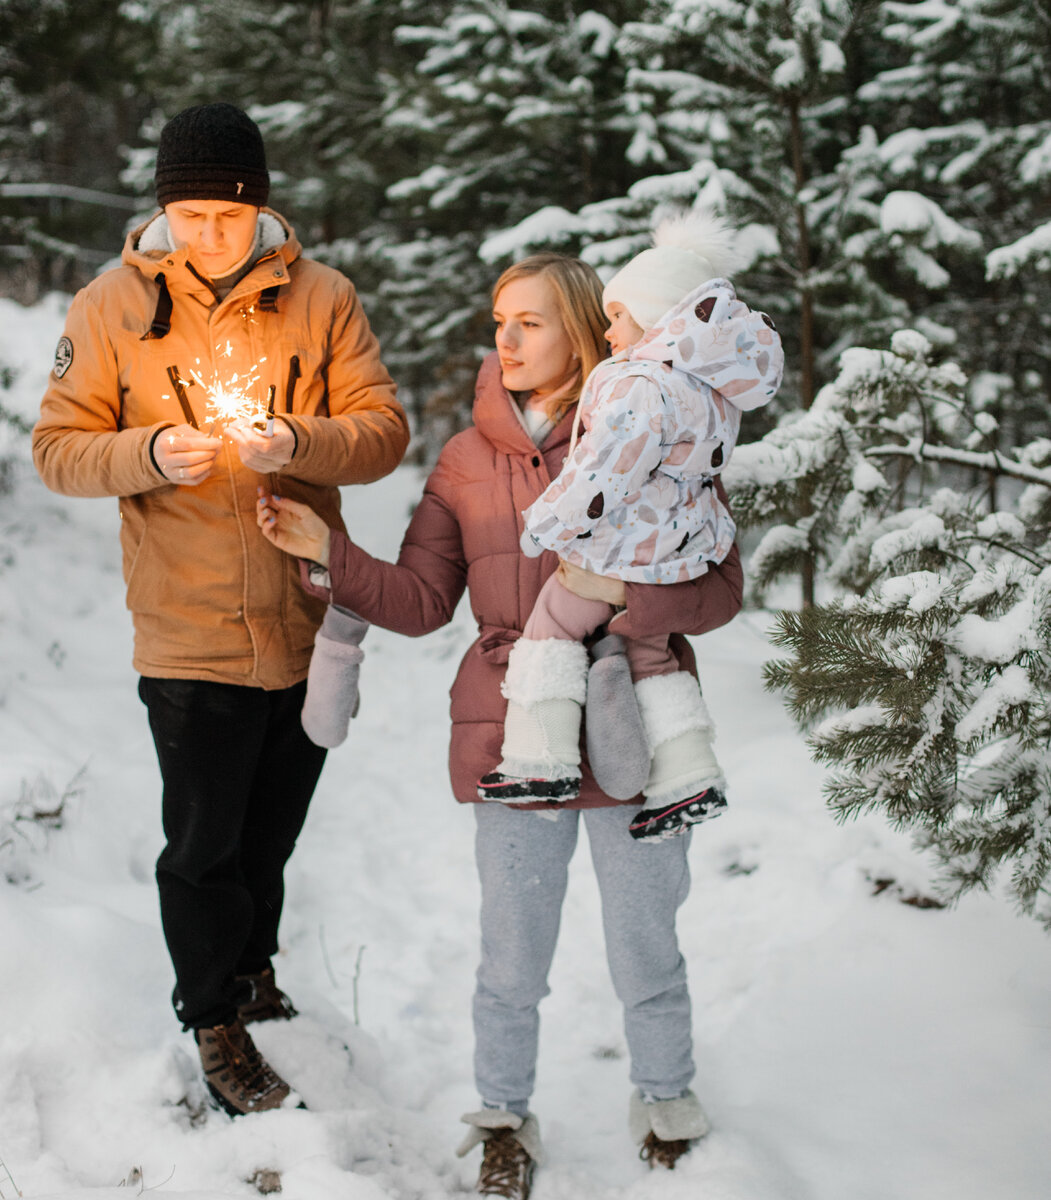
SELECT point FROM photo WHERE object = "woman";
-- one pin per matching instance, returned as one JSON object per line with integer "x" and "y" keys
{"x": 465, "y": 533}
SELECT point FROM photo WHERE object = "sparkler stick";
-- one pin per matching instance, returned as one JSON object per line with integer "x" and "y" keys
{"x": 265, "y": 425}
{"x": 180, "y": 395}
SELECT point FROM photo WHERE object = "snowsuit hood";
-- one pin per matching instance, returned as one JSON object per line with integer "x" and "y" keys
{"x": 719, "y": 342}
{"x": 635, "y": 500}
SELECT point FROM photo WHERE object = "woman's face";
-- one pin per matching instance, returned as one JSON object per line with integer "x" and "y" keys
{"x": 535, "y": 352}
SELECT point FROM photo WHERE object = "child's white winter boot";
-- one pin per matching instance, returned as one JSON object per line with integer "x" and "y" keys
{"x": 545, "y": 687}
{"x": 685, "y": 784}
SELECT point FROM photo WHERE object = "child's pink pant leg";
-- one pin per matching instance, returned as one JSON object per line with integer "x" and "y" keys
{"x": 559, "y": 613}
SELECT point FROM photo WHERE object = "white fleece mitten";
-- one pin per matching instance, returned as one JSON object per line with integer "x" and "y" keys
{"x": 332, "y": 680}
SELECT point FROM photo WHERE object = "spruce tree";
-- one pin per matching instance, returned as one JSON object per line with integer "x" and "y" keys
{"x": 514, "y": 110}
{"x": 965, "y": 121}
{"x": 924, "y": 681}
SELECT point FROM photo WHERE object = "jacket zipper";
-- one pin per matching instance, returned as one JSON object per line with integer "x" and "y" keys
{"x": 290, "y": 387}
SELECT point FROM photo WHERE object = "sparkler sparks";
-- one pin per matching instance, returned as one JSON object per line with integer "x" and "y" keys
{"x": 235, "y": 398}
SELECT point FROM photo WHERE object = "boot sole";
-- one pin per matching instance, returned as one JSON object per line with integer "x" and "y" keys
{"x": 220, "y": 1102}
{"x": 500, "y": 787}
{"x": 675, "y": 819}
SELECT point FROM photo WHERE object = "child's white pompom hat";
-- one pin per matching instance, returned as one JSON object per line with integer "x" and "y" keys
{"x": 688, "y": 249}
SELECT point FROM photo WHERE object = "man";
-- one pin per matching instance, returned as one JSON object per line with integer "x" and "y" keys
{"x": 213, "y": 298}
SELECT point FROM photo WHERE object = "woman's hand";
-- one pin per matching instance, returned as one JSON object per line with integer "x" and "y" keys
{"x": 590, "y": 586}
{"x": 184, "y": 455}
{"x": 293, "y": 527}
{"x": 259, "y": 451}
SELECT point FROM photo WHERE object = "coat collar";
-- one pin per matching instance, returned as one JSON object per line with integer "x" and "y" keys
{"x": 497, "y": 419}
{"x": 147, "y": 248}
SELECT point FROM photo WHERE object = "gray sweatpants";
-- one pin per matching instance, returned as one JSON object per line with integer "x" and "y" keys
{"x": 523, "y": 861}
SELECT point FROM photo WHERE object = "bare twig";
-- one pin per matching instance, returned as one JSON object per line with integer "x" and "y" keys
{"x": 357, "y": 976}
{"x": 5, "y": 1172}
{"x": 324, "y": 956}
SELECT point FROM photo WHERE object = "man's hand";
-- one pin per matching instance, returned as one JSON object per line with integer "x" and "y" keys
{"x": 184, "y": 455}
{"x": 293, "y": 527}
{"x": 260, "y": 452}
{"x": 589, "y": 586}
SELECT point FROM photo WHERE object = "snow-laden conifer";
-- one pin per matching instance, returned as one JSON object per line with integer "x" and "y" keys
{"x": 923, "y": 677}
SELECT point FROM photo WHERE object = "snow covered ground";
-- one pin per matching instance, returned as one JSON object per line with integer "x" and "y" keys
{"x": 849, "y": 1046}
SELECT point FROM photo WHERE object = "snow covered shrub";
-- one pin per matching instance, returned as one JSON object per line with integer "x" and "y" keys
{"x": 926, "y": 682}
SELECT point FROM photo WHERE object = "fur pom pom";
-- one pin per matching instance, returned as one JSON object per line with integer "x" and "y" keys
{"x": 704, "y": 233}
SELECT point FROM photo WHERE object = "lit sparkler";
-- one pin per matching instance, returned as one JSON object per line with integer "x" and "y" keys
{"x": 231, "y": 399}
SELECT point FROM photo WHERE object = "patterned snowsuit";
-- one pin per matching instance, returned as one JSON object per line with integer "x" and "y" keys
{"x": 635, "y": 499}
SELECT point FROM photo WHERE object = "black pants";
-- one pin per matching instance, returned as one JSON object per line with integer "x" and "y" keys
{"x": 238, "y": 774}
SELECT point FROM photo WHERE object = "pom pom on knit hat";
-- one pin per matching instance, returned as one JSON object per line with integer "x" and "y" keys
{"x": 212, "y": 152}
{"x": 688, "y": 249}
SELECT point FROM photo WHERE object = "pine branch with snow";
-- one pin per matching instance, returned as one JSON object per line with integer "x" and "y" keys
{"x": 925, "y": 682}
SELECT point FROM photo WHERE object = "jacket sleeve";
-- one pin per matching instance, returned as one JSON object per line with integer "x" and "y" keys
{"x": 78, "y": 447}
{"x": 365, "y": 433}
{"x": 417, "y": 594}
{"x": 693, "y": 608}
{"x": 613, "y": 459}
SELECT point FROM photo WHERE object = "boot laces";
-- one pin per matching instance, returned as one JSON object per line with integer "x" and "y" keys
{"x": 660, "y": 1153}
{"x": 240, "y": 1055}
{"x": 505, "y": 1167}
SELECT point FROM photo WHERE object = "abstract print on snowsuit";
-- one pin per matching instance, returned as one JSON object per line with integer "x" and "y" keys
{"x": 635, "y": 499}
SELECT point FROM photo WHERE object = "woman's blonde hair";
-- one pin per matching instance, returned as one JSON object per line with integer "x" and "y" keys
{"x": 578, "y": 293}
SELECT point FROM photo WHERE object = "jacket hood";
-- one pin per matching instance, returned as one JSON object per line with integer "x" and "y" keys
{"x": 149, "y": 246}
{"x": 719, "y": 341}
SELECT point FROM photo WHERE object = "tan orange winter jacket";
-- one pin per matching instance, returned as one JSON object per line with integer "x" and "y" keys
{"x": 209, "y": 596}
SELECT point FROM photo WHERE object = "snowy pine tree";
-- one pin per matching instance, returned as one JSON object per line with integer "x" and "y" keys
{"x": 925, "y": 682}
{"x": 513, "y": 108}
{"x": 965, "y": 122}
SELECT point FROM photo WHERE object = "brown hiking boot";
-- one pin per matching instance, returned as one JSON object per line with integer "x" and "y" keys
{"x": 264, "y": 1000}
{"x": 237, "y": 1075}
{"x": 660, "y": 1153}
{"x": 507, "y": 1169}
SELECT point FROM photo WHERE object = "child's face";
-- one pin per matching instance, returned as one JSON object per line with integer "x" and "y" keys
{"x": 623, "y": 331}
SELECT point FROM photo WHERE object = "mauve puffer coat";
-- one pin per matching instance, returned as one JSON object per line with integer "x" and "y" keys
{"x": 465, "y": 533}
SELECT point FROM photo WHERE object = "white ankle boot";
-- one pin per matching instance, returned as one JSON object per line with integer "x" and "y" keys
{"x": 685, "y": 783}
{"x": 545, "y": 686}
{"x": 664, "y": 1129}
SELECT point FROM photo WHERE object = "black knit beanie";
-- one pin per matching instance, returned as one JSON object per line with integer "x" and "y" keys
{"x": 212, "y": 152}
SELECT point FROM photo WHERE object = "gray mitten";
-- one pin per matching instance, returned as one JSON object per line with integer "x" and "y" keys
{"x": 617, "y": 747}
{"x": 332, "y": 681}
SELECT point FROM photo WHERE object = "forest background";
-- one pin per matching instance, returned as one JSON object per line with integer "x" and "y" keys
{"x": 888, "y": 165}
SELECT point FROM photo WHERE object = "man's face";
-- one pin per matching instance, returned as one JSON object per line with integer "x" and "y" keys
{"x": 217, "y": 234}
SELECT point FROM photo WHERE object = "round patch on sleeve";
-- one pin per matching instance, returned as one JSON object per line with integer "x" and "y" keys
{"x": 63, "y": 357}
